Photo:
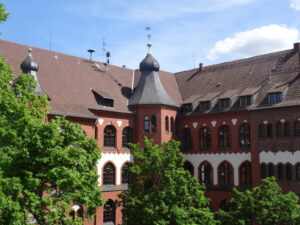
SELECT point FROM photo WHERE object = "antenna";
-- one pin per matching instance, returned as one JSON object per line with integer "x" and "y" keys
{"x": 194, "y": 58}
{"x": 50, "y": 40}
{"x": 149, "y": 42}
{"x": 103, "y": 47}
{"x": 91, "y": 51}
{"x": 107, "y": 56}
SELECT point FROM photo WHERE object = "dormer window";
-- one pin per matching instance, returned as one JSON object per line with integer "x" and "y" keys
{"x": 224, "y": 103}
{"x": 245, "y": 100}
{"x": 275, "y": 97}
{"x": 186, "y": 108}
{"x": 103, "y": 99}
{"x": 204, "y": 106}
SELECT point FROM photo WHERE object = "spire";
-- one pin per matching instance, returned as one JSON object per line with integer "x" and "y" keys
{"x": 149, "y": 90}
{"x": 30, "y": 66}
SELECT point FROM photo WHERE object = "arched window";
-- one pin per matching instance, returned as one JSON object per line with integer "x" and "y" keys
{"x": 269, "y": 130}
{"x": 109, "y": 136}
{"x": 153, "y": 124}
{"x": 126, "y": 136}
{"x": 271, "y": 170}
{"x": 297, "y": 128}
{"x": 187, "y": 143}
{"x": 205, "y": 174}
{"x": 167, "y": 125}
{"x": 109, "y": 174}
{"x": 109, "y": 213}
{"x": 244, "y": 135}
{"x": 288, "y": 170}
{"x": 172, "y": 125}
{"x": 205, "y": 138}
{"x": 298, "y": 172}
{"x": 96, "y": 133}
{"x": 280, "y": 172}
{"x": 225, "y": 173}
{"x": 177, "y": 125}
{"x": 245, "y": 174}
{"x": 189, "y": 167}
{"x": 224, "y": 137}
{"x": 287, "y": 129}
{"x": 80, "y": 212}
{"x": 146, "y": 124}
{"x": 125, "y": 174}
{"x": 279, "y": 129}
{"x": 263, "y": 171}
{"x": 262, "y": 130}
{"x": 223, "y": 205}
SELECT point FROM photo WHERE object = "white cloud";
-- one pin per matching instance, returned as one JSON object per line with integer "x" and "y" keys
{"x": 295, "y": 4}
{"x": 257, "y": 41}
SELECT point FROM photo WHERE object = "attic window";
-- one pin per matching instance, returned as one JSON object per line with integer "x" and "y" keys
{"x": 275, "y": 97}
{"x": 104, "y": 101}
{"x": 186, "y": 108}
{"x": 204, "y": 106}
{"x": 224, "y": 103}
{"x": 245, "y": 100}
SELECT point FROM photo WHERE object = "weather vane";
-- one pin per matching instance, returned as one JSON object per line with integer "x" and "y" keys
{"x": 149, "y": 42}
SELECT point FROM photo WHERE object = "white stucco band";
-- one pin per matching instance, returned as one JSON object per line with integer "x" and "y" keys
{"x": 215, "y": 159}
{"x": 118, "y": 161}
{"x": 279, "y": 157}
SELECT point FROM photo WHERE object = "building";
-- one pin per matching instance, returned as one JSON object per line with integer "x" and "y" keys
{"x": 237, "y": 121}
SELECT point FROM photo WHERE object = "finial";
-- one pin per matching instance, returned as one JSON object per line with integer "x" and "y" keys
{"x": 29, "y": 51}
{"x": 149, "y": 42}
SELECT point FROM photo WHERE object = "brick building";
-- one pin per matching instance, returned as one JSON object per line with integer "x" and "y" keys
{"x": 237, "y": 121}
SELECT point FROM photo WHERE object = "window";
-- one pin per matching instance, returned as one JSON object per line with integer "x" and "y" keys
{"x": 109, "y": 174}
{"x": 298, "y": 172}
{"x": 126, "y": 137}
{"x": 205, "y": 139}
{"x": 244, "y": 135}
{"x": 125, "y": 174}
{"x": 172, "y": 125}
{"x": 223, "y": 205}
{"x": 271, "y": 170}
{"x": 262, "y": 130}
{"x": 280, "y": 172}
{"x": 109, "y": 136}
{"x": 187, "y": 144}
{"x": 146, "y": 124}
{"x": 275, "y": 97}
{"x": 204, "y": 106}
{"x": 287, "y": 129}
{"x": 297, "y": 128}
{"x": 224, "y": 103}
{"x": 167, "y": 125}
{"x": 186, "y": 108}
{"x": 279, "y": 129}
{"x": 109, "y": 213}
{"x": 245, "y": 100}
{"x": 225, "y": 173}
{"x": 177, "y": 125}
{"x": 189, "y": 167}
{"x": 153, "y": 124}
{"x": 269, "y": 130}
{"x": 104, "y": 101}
{"x": 245, "y": 175}
{"x": 205, "y": 174}
{"x": 288, "y": 170}
{"x": 263, "y": 171}
{"x": 80, "y": 212}
{"x": 224, "y": 137}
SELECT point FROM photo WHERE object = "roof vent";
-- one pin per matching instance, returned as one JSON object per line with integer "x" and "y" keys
{"x": 200, "y": 67}
{"x": 219, "y": 84}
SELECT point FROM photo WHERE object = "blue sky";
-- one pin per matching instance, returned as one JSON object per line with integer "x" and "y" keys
{"x": 184, "y": 32}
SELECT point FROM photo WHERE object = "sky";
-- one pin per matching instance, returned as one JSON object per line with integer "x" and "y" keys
{"x": 184, "y": 33}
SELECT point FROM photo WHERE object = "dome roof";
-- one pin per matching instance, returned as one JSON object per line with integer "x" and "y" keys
{"x": 29, "y": 64}
{"x": 149, "y": 63}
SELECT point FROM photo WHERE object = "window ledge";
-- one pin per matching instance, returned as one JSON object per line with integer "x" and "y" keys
{"x": 110, "y": 148}
{"x": 106, "y": 188}
{"x": 125, "y": 148}
{"x": 224, "y": 148}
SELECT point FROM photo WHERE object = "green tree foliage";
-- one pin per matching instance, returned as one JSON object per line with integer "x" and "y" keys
{"x": 164, "y": 193}
{"x": 3, "y": 13}
{"x": 44, "y": 167}
{"x": 265, "y": 204}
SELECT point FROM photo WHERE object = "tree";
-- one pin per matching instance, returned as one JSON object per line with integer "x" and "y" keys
{"x": 45, "y": 167}
{"x": 265, "y": 204}
{"x": 3, "y": 13}
{"x": 163, "y": 192}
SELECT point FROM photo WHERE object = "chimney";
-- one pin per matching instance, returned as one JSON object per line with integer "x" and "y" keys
{"x": 200, "y": 67}
{"x": 296, "y": 46}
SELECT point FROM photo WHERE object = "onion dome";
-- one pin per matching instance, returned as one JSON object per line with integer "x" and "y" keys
{"x": 149, "y": 63}
{"x": 29, "y": 64}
